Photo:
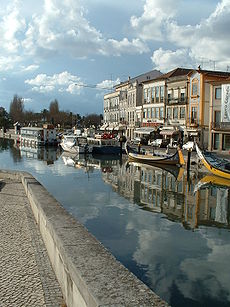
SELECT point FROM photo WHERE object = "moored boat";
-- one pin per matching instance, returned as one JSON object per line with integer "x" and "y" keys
{"x": 176, "y": 158}
{"x": 75, "y": 144}
{"x": 215, "y": 164}
{"x": 104, "y": 146}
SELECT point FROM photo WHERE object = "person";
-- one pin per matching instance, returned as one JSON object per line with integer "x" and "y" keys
{"x": 139, "y": 147}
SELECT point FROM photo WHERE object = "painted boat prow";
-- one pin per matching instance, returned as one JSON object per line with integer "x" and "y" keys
{"x": 211, "y": 168}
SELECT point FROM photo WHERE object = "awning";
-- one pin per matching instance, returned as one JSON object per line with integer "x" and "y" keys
{"x": 168, "y": 132}
{"x": 144, "y": 130}
{"x": 104, "y": 126}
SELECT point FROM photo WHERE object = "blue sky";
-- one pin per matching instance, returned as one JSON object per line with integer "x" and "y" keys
{"x": 49, "y": 46}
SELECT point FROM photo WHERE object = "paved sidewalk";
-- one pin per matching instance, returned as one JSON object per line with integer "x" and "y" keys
{"x": 26, "y": 276}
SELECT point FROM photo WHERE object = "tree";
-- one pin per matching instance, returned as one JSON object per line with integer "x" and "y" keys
{"x": 92, "y": 119}
{"x": 4, "y": 118}
{"x": 17, "y": 109}
{"x": 54, "y": 111}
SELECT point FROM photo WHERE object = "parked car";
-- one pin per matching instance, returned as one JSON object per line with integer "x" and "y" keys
{"x": 190, "y": 145}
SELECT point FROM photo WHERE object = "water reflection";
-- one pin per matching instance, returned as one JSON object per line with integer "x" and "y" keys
{"x": 172, "y": 234}
{"x": 41, "y": 153}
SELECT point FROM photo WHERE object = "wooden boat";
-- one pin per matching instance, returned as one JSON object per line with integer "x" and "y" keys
{"x": 153, "y": 159}
{"x": 216, "y": 165}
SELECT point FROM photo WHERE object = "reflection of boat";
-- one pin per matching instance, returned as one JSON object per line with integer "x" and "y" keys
{"x": 215, "y": 164}
{"x": 212, "y": 180}
{"x": 155, "y": 159}
{"x": 75, "y": 144}
{"x": 176, "y": 171}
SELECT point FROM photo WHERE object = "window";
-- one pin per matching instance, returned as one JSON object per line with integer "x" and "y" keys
{"x": 182, "y": 94}
{"x": 194, "y": 87}
{"x": 217, "y": 115}
{"x": 145, "y": 95}
{"x": 157, "y": 112}
{"x": 153, "y": 94}
{"x": 161, "y": 93}
{"x": 152, "y": 113}
{"x": 182, "y": 112}
{"x": 226, "y": 142}
{"x": 149, "y": 95}
{"x": 169, "y": 113}
{"x": 144, "y": 113}
{"x": 175, "y": 94}
{"x": 157, "y": 93}
{"x": 216, "y": 142}
{"x": 217, "y": 93}
{"x": 175, "y": 113}
{"x": 169, "y": 95}
{"x": 194, "y": 115}
{"x": 161, "y": 113}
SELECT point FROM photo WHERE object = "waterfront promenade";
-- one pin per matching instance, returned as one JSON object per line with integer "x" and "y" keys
{"x": 26, "y": 276}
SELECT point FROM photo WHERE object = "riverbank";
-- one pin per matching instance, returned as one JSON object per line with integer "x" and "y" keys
{"x": 87, "y": 273}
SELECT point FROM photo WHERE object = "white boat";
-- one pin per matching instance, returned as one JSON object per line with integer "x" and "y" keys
{"x": 75, "y": 144}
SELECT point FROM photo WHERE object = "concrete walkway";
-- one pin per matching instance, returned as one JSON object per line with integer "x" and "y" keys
{"x": 26, "y": 276}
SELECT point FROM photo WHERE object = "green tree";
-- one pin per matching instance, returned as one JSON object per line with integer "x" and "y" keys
{"x": 17, "y": 109}
{"x": 4, "y": 118}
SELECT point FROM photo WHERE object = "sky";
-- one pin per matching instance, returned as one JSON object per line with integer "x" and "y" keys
{"x": 75, "y": 51}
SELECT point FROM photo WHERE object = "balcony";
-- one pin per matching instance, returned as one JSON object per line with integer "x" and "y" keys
{"x": 220, "y": 126}
{"x": 181, "y": 100}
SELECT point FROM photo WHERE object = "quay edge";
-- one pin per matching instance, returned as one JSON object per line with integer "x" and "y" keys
{"x": 87, "y": 272}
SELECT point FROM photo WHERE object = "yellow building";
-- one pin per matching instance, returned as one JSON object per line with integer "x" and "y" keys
{"x": 201, "y": 104}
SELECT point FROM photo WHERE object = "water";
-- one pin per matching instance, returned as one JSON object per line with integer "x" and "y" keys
{"x": 172, "y": 235}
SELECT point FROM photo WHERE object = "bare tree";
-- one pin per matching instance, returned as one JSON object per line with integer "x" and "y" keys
{"x": 17, "y": 109}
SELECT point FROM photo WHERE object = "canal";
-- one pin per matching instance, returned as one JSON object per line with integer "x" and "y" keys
{"x": 172, "y": 234}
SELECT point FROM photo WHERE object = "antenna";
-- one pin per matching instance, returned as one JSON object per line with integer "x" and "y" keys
{"x": 93, "y": 86}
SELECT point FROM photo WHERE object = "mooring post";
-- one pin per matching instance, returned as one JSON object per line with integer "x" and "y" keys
{"x": 188, "y": 164}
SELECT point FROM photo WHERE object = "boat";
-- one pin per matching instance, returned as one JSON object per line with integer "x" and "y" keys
{"x": 38, "y": 136}
{"x": 104, "y": 146}
{"x": 176, "y": 158}
{"x": 215, "y": 164}
{"x": 75, "y": 144}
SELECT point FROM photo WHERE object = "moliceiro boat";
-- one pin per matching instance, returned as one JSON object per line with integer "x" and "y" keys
{"x": 176, "y": 158}
{"x": 215, "y": 164}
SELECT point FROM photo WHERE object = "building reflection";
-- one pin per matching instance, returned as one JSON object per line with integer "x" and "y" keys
{"x": 46, "y": 154}
{"x": 168, "y": 192}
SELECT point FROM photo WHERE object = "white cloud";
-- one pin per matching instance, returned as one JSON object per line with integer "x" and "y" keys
{"x": 12, "y": 24}
{"x": 150, "y": 26}
{"x": 63, "y": 82}
{"x": 165, "y": 60}
{"x": 207, "y": 40}
{"x": 27, "y": 100}
{"x": 108, "y": 84}
{"x": 30, "y": 67}
{"x": 62, "y": 28}
{"x": 8, "y": 62}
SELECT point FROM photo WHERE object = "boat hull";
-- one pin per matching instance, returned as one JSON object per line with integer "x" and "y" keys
{"x": 106, "y": 150}
{"x": 167, "y": 159}
{"x": 211, "y": 168}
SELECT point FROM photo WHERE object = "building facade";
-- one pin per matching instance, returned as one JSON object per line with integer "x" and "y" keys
{"x": 181, "y": 105}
